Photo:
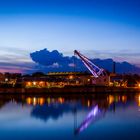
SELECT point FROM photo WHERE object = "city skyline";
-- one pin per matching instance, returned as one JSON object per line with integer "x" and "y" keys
{"x": 97, "y": 28}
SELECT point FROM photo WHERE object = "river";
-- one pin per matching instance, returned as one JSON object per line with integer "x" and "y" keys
{"x": 70, "y": 117}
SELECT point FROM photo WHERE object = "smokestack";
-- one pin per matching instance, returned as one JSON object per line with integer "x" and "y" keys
{"x": 114, "y": 67}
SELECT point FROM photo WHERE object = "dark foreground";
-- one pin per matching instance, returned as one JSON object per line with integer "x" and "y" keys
{"x": 70, "y": 116}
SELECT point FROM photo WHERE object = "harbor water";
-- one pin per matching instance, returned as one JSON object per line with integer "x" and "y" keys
{"x": 71, "y": 117}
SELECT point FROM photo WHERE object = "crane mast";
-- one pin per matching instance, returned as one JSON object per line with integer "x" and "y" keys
{"x": 95, "y": 70}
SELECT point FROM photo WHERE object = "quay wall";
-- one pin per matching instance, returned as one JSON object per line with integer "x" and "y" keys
{"x": 73, "y": 89}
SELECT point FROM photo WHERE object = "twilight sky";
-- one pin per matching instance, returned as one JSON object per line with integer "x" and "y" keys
{"x": 97, "y": 28}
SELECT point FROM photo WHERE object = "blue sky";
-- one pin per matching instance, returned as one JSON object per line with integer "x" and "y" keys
{"x": 97, "y": 28}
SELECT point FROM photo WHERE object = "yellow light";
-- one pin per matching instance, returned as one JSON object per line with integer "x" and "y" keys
{"x": 111, "y": 99}
{"x": 138, "y": 85}
{"x": 29, "y": 101}
{"x": 6, "y": 79}
{"x": 34, "y": 83}
{"x": 88, "y": 80}
{"x": 124, "y": 98}
{"x": 41, "y": 101}
{"x": 48, "y": 101}
{"x": 34, "y": 101}
{"x": 88, "y": 103}
{"x": 71, "y": 77}
{"x": 117, "y": 98}
{"x": 41, "y": 83}
{"x": 29, "y": 83}
{"x": 139, "y": 100}
{"x": 60, "y": 100}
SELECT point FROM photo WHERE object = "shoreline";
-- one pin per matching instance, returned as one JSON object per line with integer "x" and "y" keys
{"x": 70, "y": 90}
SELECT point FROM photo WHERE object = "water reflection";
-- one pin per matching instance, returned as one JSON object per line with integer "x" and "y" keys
{"x": 94, "y": 115}
{"x": 53, "y": 111}
{"x": 137, "y": 98}
{"x": 92, "y": 107}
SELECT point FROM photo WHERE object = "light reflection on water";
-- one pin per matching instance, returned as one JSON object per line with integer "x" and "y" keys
{"x": 96, "y": 116}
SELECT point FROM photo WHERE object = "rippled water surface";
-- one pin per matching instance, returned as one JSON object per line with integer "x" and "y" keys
{"x": 96, "y": 116}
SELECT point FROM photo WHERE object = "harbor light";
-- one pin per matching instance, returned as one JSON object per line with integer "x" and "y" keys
{"x": 34, "y": 83}
{"x": 29, "y": 83}
{"x": 71, "y": 77}
{"x": 6, "y": 79}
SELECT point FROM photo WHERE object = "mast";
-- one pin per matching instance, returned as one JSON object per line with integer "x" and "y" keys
{"x": 95, "y": 70}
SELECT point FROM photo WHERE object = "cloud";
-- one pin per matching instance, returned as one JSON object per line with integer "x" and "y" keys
{"x": 22, "y": 67}
{"x": 131, "y": 56}
{"x": 13, "y": 50}
{"x": 54, "y": 65}
{"x": 16, "y": 60}
{"x": 45, "y": 57}
{"x": 55, "y": 61}
{"x": 121, "y": 67}
{"x": 71, "y": 65}
{"x": 44, "y": 112}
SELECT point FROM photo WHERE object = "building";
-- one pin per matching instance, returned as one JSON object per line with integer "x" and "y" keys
{"x": 58, "y": 79}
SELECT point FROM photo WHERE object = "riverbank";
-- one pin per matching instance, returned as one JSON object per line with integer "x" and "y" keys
{"x": 70, "y": 89}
